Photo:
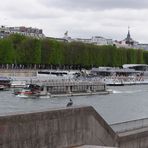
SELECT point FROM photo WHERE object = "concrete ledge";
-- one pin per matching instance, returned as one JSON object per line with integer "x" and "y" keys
{"x": 64, "y": 127}
{"x": 134, "y": 138}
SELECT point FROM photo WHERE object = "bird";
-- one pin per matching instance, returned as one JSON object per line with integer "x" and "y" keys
{"x": 70, "y": 103}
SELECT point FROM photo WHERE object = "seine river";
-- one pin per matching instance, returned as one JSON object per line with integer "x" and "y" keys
{"x": 126, "y": 103}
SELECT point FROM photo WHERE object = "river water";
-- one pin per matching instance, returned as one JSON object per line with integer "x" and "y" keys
{"x": 126, "y": 103}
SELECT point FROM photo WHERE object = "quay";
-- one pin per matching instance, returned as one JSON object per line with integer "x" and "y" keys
{"x": 76, "y": 126}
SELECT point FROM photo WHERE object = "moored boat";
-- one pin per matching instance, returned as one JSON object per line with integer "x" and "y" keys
{"x": 57, "y": 74}
{"x": 32, "y": 90}
{"x": 4, "y": 83}
{"x": 24, "y": 92}
{"x": 118, "y": 76}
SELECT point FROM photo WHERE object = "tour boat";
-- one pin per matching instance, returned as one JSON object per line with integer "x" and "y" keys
{"x": 57, "y": 74}
{"x": 118, "y": 76}
{"x": 18, "y": 83}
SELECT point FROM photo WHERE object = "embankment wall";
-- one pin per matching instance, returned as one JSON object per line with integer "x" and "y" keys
{"x": 18, "y": 72}
{"x": 134, "y": 139}
{"x": 59, "y": 128}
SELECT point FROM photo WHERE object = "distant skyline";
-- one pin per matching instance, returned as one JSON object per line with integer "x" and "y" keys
{"x": 82, "y": 18}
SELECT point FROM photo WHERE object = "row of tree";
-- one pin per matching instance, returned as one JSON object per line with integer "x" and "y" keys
{"x": 17, "y": 49}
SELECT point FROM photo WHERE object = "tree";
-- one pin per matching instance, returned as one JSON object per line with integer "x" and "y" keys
{"x": 7, "y": 52}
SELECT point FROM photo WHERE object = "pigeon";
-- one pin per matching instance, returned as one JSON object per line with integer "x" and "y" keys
{"x": 70, "y": 103}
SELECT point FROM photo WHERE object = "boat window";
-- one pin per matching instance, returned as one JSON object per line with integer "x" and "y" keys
{"x": 43, "y": 72}
{"x": 57, "y": 73}
{"x": 42, "y": 88}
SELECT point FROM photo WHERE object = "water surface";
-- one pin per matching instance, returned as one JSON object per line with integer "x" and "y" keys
{"x": 126, "y": 103}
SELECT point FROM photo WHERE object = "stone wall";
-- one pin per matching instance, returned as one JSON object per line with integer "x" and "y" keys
{"x": 60, "y": 128}
{"x": 18, "y": 72}
{"x": 134, "y": 138}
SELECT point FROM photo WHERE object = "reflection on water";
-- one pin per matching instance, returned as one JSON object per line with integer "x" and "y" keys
{"x": 125, "y": 103}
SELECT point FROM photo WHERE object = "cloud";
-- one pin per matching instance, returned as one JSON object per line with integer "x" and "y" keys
{"x": 95, "y": 4}
{"x": 83, "y": 18}
{"x": 23, "y": 9}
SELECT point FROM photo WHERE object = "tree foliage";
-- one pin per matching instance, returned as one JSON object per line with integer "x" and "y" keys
{"x": 24, "y": 50}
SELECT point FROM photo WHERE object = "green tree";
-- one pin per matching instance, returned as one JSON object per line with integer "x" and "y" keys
{"x": 7, "y": 52}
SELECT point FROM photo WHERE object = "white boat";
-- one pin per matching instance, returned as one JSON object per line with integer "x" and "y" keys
{"x": 18, "y": 83}
{"x": 57, "y": 74}
{"x": 33, "y": 90}
{"x": 118, "y": 76}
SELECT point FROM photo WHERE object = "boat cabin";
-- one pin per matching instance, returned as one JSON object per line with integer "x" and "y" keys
{"x": 57, "y": 74}
{"x": 138, "y": 67}
{"x": 110, "y": 71}
{"x": 4, "y": 83}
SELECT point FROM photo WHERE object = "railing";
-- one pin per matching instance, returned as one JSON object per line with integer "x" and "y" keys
{"x": 130, "y": 125}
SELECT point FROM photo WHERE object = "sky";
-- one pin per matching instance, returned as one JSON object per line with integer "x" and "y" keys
{"x": 81, "y": 18}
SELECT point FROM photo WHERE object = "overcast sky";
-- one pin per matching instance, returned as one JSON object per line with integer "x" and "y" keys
{"x": 81, "y": 18}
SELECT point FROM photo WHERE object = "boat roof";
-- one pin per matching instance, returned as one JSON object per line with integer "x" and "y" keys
{"x": 4, "y": 79}
{"x": 114, "y": 70}
{"x": 134, "y": 65}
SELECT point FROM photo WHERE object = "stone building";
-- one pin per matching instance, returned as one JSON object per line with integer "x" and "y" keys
{"x": 27, "y": 31}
